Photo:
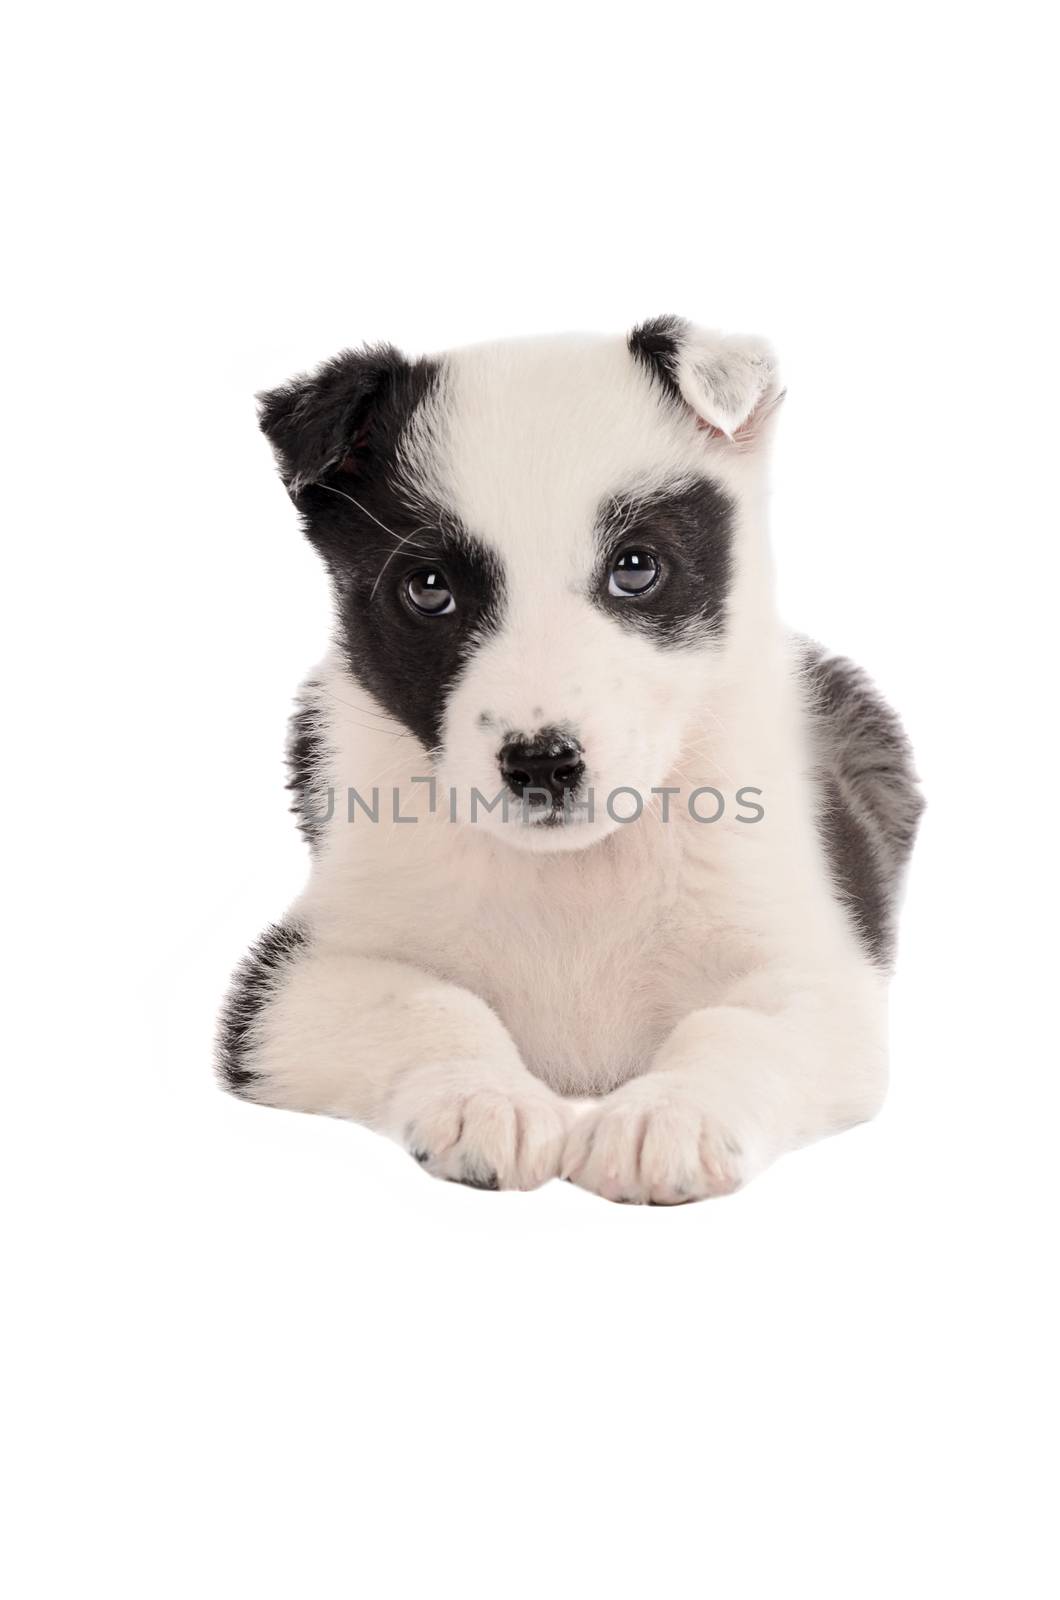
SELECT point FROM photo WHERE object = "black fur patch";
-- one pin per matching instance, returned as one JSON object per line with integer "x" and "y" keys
{"x": 315, "y": 422}
{"x": 307, "y": 756}
{"x": 688, "y": 529}
{"x": 858, "y": 875}
{"x": 655, "y": 345}
{"x": 339, "y": 437}
{"x": 870, "y": 803}
{"x": 406, "y": 660}
{"x": 254, "y": 982}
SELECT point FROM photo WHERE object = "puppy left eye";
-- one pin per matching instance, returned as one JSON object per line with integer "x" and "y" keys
{"x": 428, "y": 593}
{"x": 634, "y": 572}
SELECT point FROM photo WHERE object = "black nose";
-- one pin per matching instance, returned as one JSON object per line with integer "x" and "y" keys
{"x": 553, "y": 766}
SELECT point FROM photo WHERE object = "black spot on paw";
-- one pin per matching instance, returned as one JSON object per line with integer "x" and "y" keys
{"x": 476, "y": 1176}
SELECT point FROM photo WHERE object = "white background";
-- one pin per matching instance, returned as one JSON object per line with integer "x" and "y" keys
{"x": 257, "y": 1354}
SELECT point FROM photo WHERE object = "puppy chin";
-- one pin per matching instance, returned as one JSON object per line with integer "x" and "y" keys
{"x": 535, "y": 829}
{"x": 553, "y": 833}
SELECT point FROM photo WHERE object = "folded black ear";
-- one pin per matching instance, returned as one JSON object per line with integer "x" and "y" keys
{"x": 318, "y": 420}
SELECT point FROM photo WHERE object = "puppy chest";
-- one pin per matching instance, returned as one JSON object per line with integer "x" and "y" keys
{"x": 585, "y": 998}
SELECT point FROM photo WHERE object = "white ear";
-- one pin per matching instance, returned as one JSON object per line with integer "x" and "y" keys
{"x": 730, "y": 383}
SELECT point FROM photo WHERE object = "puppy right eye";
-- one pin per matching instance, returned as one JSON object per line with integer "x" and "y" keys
{"x": 634, "y": 572}
{"x": 428, "y": 592}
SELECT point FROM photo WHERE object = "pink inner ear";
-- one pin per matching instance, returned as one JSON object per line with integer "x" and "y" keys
{"x": 351, "y": 460}
{"x": 745, "y": 433}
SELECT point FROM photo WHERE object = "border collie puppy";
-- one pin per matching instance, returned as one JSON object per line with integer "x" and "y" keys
{"x": 605, "y": 861}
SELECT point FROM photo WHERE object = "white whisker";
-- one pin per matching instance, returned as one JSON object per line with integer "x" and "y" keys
{"x": 402, "y": 541}
{"x": 396, "y": 551}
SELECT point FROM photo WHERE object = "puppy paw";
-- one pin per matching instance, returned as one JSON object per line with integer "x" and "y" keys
{"x": 473, "y": 1127}
{"x": 653, "y": 1142}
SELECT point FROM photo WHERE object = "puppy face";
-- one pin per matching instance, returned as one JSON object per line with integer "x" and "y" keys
{"x": 535, "y": 550}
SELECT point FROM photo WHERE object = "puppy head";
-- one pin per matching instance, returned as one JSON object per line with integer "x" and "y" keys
{"x": 537, "y": 552}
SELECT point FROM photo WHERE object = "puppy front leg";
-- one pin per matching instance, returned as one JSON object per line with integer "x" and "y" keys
{"x": 311, "y": 1028}
{"x": 786, "y": 1059}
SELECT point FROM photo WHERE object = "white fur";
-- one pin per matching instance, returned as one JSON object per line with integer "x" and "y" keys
{"x": 700, "y": 981}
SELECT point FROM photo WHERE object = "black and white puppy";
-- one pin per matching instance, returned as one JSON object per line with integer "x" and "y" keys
{"x": 605, "y": 861}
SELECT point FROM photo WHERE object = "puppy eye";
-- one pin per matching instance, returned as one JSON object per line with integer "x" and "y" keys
{"x": 428, "y": 592}
{"x": 634, "y": 572}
